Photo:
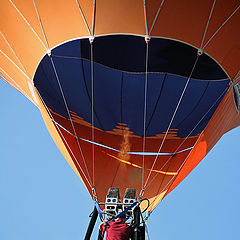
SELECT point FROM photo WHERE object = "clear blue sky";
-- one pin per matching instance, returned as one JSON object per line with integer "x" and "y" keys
{"x": 42, "y": 198}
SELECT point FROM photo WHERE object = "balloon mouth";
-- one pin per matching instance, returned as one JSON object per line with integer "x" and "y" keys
{"x": 119, "y": 65}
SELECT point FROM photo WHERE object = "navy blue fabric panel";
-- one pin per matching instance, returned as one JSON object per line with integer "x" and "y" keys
{"x": 198, "y": 105}
{"x": 70, "y": 49}
{"x": 107, "y": 94}
{"x": 119, "y": 95}
{"x": 192, "y": 108}
{"x": 171, "y": 93}
{"x": 75, "y": 84}
{"x": 46, "y": 82}
{"x": 133, "y": 101}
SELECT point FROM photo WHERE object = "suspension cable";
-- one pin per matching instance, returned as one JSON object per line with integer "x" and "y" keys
{"x": 145, "y": 110}
{"x": 93, "y": 16}
{"x": 91, "y": 38}
{"x": 145, "y": 17}
{"x": 92, "y": 108}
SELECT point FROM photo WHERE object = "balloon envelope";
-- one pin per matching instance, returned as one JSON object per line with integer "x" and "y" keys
{"x": 133, "y": 99}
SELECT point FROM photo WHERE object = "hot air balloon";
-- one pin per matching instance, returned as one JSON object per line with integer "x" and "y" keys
{"x": 134, "y": 93}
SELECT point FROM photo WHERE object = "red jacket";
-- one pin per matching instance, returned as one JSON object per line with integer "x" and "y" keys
{"x": 117, "y": 230}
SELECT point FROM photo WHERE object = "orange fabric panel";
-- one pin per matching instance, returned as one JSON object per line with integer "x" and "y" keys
{"x": 87, "y": 9}
{"x": 7, "y": 52}
{"x": 15, "y": 77}
{"x": 61, "y": 21}
{"x": 112, "y": 166}
{"x": 231, "y": 63}
{"x": 181, "y": 20}
{"x": 20, "y": 36}
{"x": 11, "y": 69}
{"x": 14, "y": 85}
{"x": 222, "y": 10}
{"x": 225, "y": 45}
{"x": 27, "y": 9}
{"x": 114, "y": 138}
{"x": 55, "y": 135}
{"x": 111, "y": 169}
{"x": 119, "y": 16}
{"x": 225, "y": 118}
